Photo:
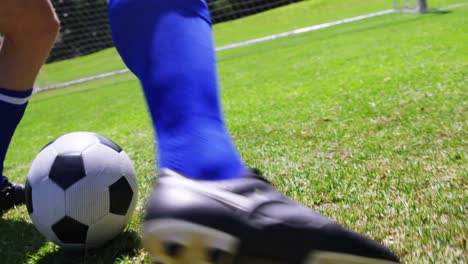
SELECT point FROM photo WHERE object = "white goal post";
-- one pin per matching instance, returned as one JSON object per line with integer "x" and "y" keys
{"x": 412, "y": 6}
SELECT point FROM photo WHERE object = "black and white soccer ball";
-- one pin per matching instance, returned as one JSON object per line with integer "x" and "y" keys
{"x": 81, "y": 190}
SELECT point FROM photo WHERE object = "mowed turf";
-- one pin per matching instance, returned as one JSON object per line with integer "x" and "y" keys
{"x": 364, "y": 122}
{"x": 302, "y": 14}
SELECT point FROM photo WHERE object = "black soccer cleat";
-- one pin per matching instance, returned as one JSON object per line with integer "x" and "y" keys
{"x": 11, "y": 194}
{"x": 220, "y": 222}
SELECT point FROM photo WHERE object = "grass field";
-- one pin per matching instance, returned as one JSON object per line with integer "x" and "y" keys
{"x": 283, "y": 19}
{"x": 364, "y": 122}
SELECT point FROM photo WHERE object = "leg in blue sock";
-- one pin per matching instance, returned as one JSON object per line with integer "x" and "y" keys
{"x": 169, "y": 46}
{"x": 12, "y": 106}
{"x": 22, "y": 54}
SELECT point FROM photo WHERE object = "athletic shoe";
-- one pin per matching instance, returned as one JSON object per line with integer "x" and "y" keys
{"x": 207, "y": 222}
{"x": 11, "y": 194}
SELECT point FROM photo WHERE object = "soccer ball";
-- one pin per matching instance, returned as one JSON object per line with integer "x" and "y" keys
{"x": 81, "y": 190}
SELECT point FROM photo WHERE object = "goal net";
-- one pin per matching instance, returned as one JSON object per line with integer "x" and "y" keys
{"x": 84, "y": 49}
{"x": 85, "y": 26}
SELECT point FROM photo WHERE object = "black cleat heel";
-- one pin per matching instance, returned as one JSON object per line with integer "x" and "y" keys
{"x": 208, "y": 220}
{"x": 11, "y": 195}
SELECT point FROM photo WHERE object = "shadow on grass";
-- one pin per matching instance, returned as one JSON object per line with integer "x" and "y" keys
{"x": 438, "y": 11}
{"x": 18, "y": 239}
{"x": 124, "y": 245}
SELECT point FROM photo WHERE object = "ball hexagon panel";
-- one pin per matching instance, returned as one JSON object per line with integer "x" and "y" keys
{"x": 87, "y": 201}
{"x": 105, "y": 229}
{"x": 67, "y": 169}
{"x": 70, "y": 231}
{"x": 48, "y": 206}
{"x": 121, "y": 196}
{"x": 102, "y": 164}
{"x": 40, "y": 167}
{"x": 74, "y": 142}
{"x": 46, "y": 231}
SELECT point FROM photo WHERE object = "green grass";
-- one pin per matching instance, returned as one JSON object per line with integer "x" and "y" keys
{"x": 365, "y": 123}
{"x": 276, "y": 21}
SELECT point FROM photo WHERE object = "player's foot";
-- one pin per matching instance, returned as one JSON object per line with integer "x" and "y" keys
{"x": 219, "y": 222}
{"x": 11, "y": 194}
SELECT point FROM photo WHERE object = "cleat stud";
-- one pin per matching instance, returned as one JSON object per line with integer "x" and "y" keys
{"x": 218, "y": 255}
{"x": 173, "y": 249}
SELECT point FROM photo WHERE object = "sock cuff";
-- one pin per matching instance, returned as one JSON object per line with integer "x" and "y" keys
{"x": 15, "y": 97}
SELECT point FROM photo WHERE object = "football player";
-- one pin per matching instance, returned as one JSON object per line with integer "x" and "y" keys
{"x": 29, "y": 28}
{"x": 207, "y": 205}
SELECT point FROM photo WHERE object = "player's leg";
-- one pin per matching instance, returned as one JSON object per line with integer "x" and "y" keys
{"x": 168, "y": 45}
{"x": 30, "y": 28}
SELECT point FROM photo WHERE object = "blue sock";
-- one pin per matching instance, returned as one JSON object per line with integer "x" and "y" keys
{"x": 169, "y": 46}
{"x": 12, "y": 106}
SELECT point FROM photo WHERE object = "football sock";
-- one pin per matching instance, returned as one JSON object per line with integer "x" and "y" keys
{"x": 12, "y": 107}
{"x": 169, "y": 46}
